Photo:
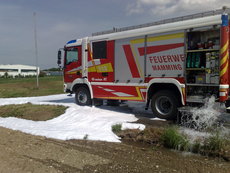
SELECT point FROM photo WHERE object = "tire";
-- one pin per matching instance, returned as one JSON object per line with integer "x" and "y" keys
{"x": 164, "y": 105}
{"x": 82, "y": 97}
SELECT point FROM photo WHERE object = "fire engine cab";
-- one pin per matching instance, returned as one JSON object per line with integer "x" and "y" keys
{"x": 167, "y": 64}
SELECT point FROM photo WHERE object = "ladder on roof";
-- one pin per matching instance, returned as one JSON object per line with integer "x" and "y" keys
{"x": 171, "y": 20}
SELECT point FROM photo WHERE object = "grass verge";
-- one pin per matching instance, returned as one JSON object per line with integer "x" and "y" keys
{"x": 32, "y": 112}
{"x": 170, "y": 137}
{"x": 26, "y": 87}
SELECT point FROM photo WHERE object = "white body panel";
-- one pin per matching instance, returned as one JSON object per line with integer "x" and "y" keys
{"x": 84, "y": 57}
{"x": 122, "y": 68}
{"x": 167, "y": 56}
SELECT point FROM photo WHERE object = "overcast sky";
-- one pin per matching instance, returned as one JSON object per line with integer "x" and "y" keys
{"x": 59, "y": 21}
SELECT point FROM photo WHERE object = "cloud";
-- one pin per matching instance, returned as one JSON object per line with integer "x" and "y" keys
{"x": 174, "y": 7}
{"x": 59, "y": 23}
{"x": 134, "y": 8}
{"x": 9, "y": 7}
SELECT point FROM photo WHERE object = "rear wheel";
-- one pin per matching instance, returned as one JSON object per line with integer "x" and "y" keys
{"x": 82, "y": 97}
{"x": 164, "y": 105}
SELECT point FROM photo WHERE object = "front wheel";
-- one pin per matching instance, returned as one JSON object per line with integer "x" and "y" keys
{"x": 82, "y": 97}
{"x": 164, "y": 105}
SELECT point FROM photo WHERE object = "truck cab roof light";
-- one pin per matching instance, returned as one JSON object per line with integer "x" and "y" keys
{"x": 71, "y": 41}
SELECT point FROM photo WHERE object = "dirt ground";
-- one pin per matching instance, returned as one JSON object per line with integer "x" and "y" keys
{"x": 21, "y": 153}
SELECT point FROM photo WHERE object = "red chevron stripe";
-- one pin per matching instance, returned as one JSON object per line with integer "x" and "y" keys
{"x": 131, "y": 61}
{"x": 159, "y": 48}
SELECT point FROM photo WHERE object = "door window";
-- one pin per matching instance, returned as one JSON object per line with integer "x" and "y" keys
{"x": 99, "y": 50}
{"x": 71, "y": 55}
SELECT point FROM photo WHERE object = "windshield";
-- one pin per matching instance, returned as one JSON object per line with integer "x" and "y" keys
{"x": 71, "y": 55}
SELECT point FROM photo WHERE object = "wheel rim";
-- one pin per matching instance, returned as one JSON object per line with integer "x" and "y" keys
{"x": 163, "y": 105}
{"x": 82, "y": 97}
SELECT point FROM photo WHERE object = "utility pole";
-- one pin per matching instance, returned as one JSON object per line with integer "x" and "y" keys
{"x": 36, "y": 48}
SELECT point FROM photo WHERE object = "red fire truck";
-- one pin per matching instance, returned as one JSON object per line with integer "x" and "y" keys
{"x": 167, "y": 64}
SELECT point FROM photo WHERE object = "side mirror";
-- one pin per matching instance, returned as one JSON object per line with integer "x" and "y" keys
{"x": 59, "y": 58}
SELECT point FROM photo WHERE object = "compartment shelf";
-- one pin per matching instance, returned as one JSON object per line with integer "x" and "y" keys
{"x": 197, "y": 69}
{"x": 203, "y": 85}
{"x": 202, "y": 64}
{"x": 203, "y": 50}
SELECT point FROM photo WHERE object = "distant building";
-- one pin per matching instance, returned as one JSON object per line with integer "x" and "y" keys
{"x": 54, "y": 73}
{"x": 18, "y": 70}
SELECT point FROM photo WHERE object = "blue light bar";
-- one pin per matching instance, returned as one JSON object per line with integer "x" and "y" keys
{"x": 224, "y": 19}
{"x": 71, "y": 41}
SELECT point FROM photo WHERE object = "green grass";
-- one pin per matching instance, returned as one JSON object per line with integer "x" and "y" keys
{"x": 171, "y": 138}
{"x": 214, "y": 143}
{"x": 26, "y": 87}
{"x": 32, "y": 112}
{"x": 116, "y": 128}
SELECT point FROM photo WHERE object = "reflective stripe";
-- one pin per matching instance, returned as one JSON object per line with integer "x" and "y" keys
{"x": 224, "y": 86}
{"x": 224, "y": 48}
{"x": 224, "y": 59}
{"x": 97, "y": 61}
{"x": 222, "y": 94}
{"x": 106, "y": 89}
{"x": 158, "y": 38}
{"x": 120, "y": 94}
{"x": 104, "y": 68}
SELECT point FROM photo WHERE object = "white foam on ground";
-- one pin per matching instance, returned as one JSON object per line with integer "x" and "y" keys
{"x": 76, "y": 123}
{"x": 126, "y": 126}
{"x": 158, "y": 119}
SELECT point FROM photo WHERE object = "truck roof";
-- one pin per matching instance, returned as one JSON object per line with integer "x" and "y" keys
{"x": 174, "y": 24}
{"x": 170, "y": 20}
{"x": 168, "y": 27}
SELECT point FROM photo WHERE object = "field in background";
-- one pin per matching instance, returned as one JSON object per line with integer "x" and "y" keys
{"x": 26, "y": 87}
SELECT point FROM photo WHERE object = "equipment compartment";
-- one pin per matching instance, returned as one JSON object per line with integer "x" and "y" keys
{"x": 202, "y": 63}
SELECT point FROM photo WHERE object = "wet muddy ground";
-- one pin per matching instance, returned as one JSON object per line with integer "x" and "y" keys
{"x": 22, "y": 153}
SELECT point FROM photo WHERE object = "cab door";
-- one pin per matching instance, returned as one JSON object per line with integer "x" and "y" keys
{"x": 72, "y": 64}
{"x": 101, "y": 62}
